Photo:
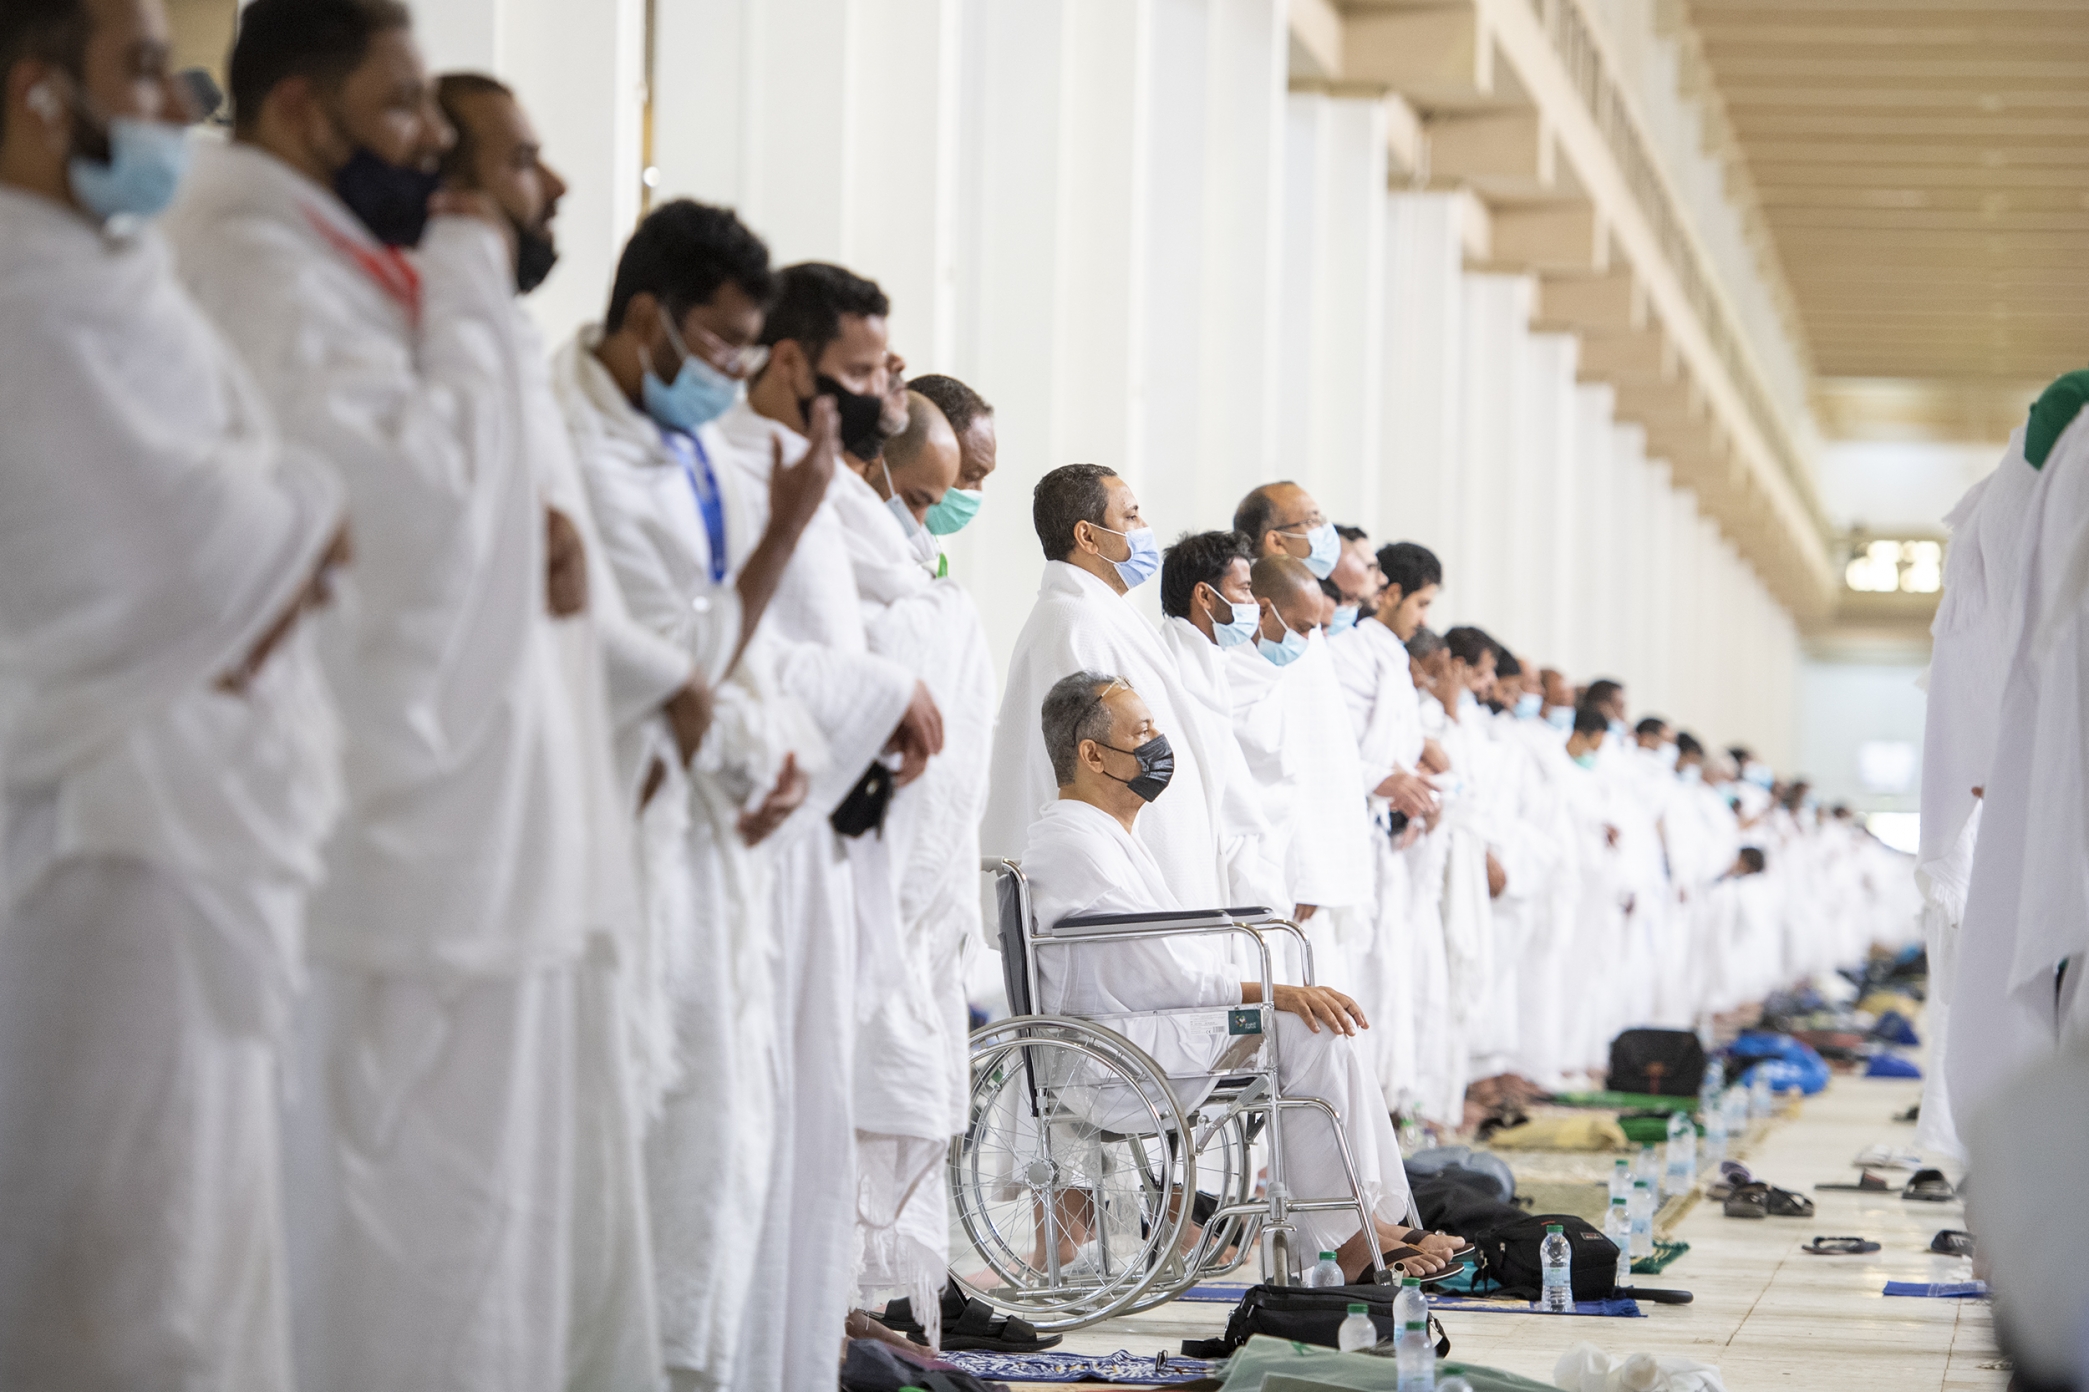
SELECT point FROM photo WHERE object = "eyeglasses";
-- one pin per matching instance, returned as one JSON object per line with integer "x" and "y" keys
{"x": 739, "y": 362}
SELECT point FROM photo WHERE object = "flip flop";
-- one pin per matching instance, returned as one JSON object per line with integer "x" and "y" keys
{"x": 1952, "y": 1242}
{"x": 1784, "y": 1203}
{"x": 1868, "y": 1183}
{"x": 1399, "y": 1254}
{"x": 980, "y": 1327}
{"x": 1749, "y": 1201}
{"x": 1929, "y": 1186}
{"x": 1840, "y": 1246}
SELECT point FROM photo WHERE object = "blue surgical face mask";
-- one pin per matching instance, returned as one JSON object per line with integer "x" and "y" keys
{"x": 138, "y": 180}
{"x": 1246, "y": 617}
{"x": 1343, "y": 621}
{"x": 1137, "y": 568}
{"x": 1586, "y": 759}
{"x": 959, "y": 506}
{"x": 1327, "y": 549}
{"x": 699, "y": 393}
{"x": 1287, "y": 652}
{"x": 1561, "y": 718}
{"x": 919, "y": 543}
{"x": 1618, "y": 733}
{"x": 1692, "y": 773}
{"x": 1528, "y": 705}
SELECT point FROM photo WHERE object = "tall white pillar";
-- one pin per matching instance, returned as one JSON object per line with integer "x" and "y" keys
{"x": 1424, "y": 421}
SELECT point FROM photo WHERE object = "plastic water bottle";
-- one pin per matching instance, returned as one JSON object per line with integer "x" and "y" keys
{"x": 1357, "y": 1332}
{"x": 1617, "y": 1226}
{"x": 1621, "y": 1179}
{"x": 1648, "y": 1165}
{"x": 1681, "y": 1170}
{"x": 1325, "y": 1272}
{"x": 1557, "y": 1257}
{"x": 1759, "y": 1100}
{"x": 1714, "y": 1115}
{"x": 1414, "y": 1357}
{"x": 1736, "y": 1106}
{"x": 1642, "y": 1209}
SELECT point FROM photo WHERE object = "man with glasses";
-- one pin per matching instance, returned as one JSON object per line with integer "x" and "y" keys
{"x": 169, "y": 782}
{"x": 696, "y": 566}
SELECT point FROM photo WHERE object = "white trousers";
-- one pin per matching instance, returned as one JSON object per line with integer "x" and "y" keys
{"x": 140, "y": 1242}
{"x": 1330, "y": 1066}
{"x": 467, "y": 1201}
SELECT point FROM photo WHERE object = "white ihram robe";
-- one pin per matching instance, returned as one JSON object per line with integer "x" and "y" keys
{"x": 2020, "y": 897}
{"x": 160, "y": 834}
{"x": 1080, "y": 860}
{"x": 1294, "y": 728}
{"x": 458, "y": 1028}
{"x": 838, "y": 917}
{"x": 1385, "y": 712}
{"x": 705, "y": 995}
{"x": 1251, "y": 847}
{"x": 912, "y": 1075}
{"x": 1081, "y": 624}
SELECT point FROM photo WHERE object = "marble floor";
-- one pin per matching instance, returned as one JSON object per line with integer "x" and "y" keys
{"x": 1766, "y": 1314}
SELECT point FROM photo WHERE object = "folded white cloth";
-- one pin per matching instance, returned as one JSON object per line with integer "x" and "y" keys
{"x": 1586, "y": 1368}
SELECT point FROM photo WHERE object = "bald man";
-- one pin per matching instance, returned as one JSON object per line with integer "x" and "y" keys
{"x": 910, "y": 1080}
{"x": 1281, "y": 519}
{"x": 1294, "y": 728}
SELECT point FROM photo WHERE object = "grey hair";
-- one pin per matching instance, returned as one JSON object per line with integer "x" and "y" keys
{"x": 1074, "y": 711}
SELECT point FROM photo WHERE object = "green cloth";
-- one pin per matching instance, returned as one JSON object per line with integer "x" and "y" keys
{"x": 1626, "y": 1101}
{"x": 2052, "y": 413}
{"x": 1648, "y": 1130}
{"x": 1664, "y": 1254}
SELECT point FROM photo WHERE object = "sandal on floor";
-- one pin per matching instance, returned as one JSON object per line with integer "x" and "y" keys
{"x": 1929, "y": 1186}
{"x": 1840, "y": 1246}
{"x": 1952, "y": 1242}
{"x": 1783, "y": 1203}
{"x": 980, "y": 1327}
{"x": 1867, "y": 1183}
{"x": 1749, "y": 1201}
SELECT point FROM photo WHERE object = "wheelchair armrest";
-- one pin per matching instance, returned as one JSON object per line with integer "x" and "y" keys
{"x": 1198, "y": 918}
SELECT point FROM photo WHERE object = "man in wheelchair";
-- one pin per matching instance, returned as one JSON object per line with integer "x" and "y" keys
{"x": 1084, "y": 857}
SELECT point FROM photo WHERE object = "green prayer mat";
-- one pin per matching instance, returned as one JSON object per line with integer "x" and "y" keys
{"x": 1625, "y": 1101}
{"x": 1648, "y": 1130}
{"x": 1664, "y": 1254}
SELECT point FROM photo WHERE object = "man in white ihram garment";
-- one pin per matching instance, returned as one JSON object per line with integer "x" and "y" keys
{"x": 1327, "y": 863}
{"x": 459, "y": 1027}
{"x": 2021, "y": 941}
{"x": 835, "y": 905}
{"x": 1097, "y": 547}
{"x": 640, "y": 394}
{"x": 167, "y": 748}
{"x": 1083, "y": 856}
{"x": 912, "y": 1078}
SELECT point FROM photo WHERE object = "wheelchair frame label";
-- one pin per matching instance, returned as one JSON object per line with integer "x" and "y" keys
{"x": 1244, "y": 1021}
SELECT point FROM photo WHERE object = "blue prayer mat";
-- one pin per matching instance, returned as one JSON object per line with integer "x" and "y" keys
{"x": 1950, "y": 1290}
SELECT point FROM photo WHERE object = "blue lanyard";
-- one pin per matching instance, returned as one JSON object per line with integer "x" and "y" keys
{"x": 690, "y": 451}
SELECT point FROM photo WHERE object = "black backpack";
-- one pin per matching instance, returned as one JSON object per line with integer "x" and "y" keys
{"x": 1510, "y": 1263}
{"x": 1657, "y": 1062}
{"x": 1306, "y": 1315}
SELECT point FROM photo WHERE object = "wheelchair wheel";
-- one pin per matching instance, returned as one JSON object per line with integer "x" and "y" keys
{"x": 1070, "y": 1184}
{"x": 1225, "y": 1175}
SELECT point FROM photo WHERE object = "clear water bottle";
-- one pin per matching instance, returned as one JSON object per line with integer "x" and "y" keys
{"x": 1414, "y": 1356}
{"x": 1736, "y": 1113}
{"x": 1648, "y": 1165}
{"x": 1715, "y": 1080}
{"x": 1356, "y": 1332}
{"x": 1617, "y": 1226}
{"x": 1325, "y": 1272}
{"x": 1621, "y": 1179}
{"x": 1556, "y": 1256}
{"x": 1759, "y": 1100}
{"x": 1642, "y": 1209}
{"x": 1681, "y": 1169}
{"x": 1714, "y": 1115}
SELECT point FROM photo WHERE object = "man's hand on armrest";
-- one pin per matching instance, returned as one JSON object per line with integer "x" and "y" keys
{"x": 1313, "y": 1004}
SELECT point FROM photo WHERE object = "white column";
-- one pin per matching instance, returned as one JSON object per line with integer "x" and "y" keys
{"x": 1332, "y": 357}
{"x": 1541, "y": 509}
{"x": 1424, "y": 410}
{"x": 1497, "y": 314}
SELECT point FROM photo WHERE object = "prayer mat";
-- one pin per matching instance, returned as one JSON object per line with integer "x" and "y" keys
{"x": 1615, "y": 1309}
{"x": 1664, "y": 1253}
{"x": 1950, "y": 1290}
{"x": 1120, "y": 1366}
{"x": 1625, "y": 1101}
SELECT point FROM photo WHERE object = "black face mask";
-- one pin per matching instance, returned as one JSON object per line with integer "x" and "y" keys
{"x": 1156, "y": 768}
{"x": 535, "y": 255}
{"x": 860, "y": 435}
{"x": 391, "y": 199}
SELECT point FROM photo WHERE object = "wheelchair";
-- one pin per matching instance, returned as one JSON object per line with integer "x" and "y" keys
{"x": 1077, "y": 1139}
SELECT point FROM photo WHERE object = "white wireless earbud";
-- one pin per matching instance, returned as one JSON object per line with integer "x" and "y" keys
{"x": 43, "y": 101}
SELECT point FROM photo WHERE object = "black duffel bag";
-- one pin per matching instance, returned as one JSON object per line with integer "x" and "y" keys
{"x": 1657, "y": 1062}
{"x": 1306, "y": 1315}
{"x": 1511, "y": 1262}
